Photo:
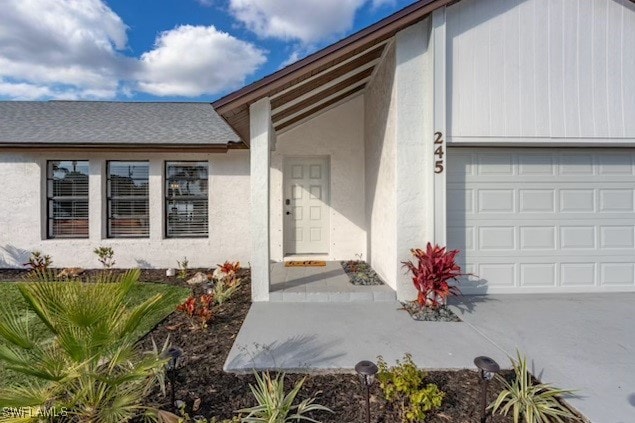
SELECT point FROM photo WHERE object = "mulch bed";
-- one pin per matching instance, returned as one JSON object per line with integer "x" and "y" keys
{"x": 202, "y": 377}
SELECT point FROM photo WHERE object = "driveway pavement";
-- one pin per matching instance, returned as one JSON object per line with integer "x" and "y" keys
{"x": 582, "y": 341}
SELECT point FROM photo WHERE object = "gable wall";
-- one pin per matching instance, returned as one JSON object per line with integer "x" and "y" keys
{"x": 541, "y": 69}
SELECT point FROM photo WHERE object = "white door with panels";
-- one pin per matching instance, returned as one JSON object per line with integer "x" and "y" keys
{"x": 306, "y": 205}
{"x": 544, "y": 219}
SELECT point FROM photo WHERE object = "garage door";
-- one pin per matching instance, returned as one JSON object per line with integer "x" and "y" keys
{"x": 538, "y": 220}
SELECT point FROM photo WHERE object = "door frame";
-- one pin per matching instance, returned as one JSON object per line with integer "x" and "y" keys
{"x": 285, "y": 234}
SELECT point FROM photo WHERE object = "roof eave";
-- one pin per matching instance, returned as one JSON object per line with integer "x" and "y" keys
{"x": 399, "y": 20}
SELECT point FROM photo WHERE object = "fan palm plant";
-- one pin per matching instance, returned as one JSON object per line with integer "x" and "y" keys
{"x": 83, "y": 362}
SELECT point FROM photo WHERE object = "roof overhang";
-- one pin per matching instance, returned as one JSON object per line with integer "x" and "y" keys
{"x": 127, "y": 147}
{"x": 323, "y": 79}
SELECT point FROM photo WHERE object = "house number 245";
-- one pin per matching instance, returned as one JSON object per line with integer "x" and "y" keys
{"x": 439, "y": 164}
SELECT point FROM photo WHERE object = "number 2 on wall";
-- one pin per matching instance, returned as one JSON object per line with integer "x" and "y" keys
{"x": 439, "y": 165}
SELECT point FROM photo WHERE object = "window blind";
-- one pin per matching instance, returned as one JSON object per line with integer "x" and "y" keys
{"x": 128, "y": 201}
{"x": 186, "y": 204}
{"x": 67, "y": 198}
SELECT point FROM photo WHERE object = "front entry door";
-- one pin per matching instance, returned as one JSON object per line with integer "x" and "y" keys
{"x": 306, "y": 205}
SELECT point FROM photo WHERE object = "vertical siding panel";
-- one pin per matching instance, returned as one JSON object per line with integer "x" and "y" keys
{"x": 467, "y": 72}
{"x": 614, "y": 50}
{"x": 542, "y": 68}
{"x": 571, "y": 69}
{"x": 600, "y": 112}
{"x": 480, "y": 44}
{"x": 585, "y": 57}
{"x": 512, "y": 78}
{"x": 628, "y": 71}
{"x": 556, "y": 68}
{"x": 453, "y": 68}
{"x": 527, "y": 69}
{"x": 497, "y": 57}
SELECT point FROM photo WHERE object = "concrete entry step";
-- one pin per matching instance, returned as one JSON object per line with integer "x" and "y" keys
{"x": 322, "y": 284}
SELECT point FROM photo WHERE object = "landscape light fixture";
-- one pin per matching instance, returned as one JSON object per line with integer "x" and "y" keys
{"x": 367, "y": 371}
{"x": 174, "y": 354}
{"x": 488, "y": 368}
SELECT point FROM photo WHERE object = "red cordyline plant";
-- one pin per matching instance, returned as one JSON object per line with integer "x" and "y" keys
{"x": 431, "y": 274}
{"x": 198, "y": 311}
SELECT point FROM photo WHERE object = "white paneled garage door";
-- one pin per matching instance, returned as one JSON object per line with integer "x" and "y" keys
{"x": 543, "y": 219}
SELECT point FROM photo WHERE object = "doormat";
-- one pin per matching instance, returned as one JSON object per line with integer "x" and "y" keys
{"x": 305, "y": 263}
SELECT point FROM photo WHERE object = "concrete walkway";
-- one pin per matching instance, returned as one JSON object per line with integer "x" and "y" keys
{"x": 335, "y": 336}
{"x": 583, "y": 341}
{"x": 322, "y": 284}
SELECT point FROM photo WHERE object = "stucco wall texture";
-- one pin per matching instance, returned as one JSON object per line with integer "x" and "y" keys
{"x": 380, "y": 161}
{"x": 23, "y": 217}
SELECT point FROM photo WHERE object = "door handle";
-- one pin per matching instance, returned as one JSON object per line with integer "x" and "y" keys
{"x": 287, "y": 201}
{"x": 288, "y": 213}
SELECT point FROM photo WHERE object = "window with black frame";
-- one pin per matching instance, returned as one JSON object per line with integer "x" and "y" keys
{"x": 128, "y": 199}
{"x": 186, "y": 199}
{"x": 67, "y": 198}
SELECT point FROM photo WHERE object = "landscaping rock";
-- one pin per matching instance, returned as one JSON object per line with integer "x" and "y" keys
{"x": 197, "y": 279}
{"x": 71, "y": 272}
{"x": 360, "y": 273}
{"x": 429, "y": 314}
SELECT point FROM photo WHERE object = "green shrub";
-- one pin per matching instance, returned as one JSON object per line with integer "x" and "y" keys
{"x": 528, "y": 401}
{"x": 105, "y": 255}
{"x": 274, "y": 406}
{"x": 85, "y": 362}
{"x": 403, "y": 386}
{"x": 38, "y": 262}
{"x": 184, "y": 270}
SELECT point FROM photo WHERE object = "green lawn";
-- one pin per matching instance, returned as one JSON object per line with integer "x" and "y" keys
{"x": 9, "y": 294}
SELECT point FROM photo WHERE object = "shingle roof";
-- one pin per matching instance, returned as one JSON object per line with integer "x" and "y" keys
{"x": 24, "y": 123}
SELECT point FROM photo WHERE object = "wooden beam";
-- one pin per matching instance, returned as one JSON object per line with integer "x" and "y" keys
{"x": 321, "y": 95}
{"x": 326, "y": 76}
{"x": 319, "y": 108}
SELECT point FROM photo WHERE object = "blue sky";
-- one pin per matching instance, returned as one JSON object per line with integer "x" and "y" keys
{"x": 164, "y": 50}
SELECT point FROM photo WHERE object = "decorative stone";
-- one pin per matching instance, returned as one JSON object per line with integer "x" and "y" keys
{"x": 170, "y": 273}
{"x": 71, "y": 272}
{"x": 198, "y": 278}
{"x": 360, "y": 273}
{"x": 429, "y": 314}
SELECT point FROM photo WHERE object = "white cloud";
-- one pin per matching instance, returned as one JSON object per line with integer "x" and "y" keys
{"x": 75, "y": 43}
{"x": 70, "y": 49}
{"x": 23, "y": 91}
{"x": 379, "y": 3}
{"x": 309, "y": 21}
{"x": 193, "y": 60}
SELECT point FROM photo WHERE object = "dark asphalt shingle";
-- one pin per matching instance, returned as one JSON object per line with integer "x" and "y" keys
{"x": 97, "y": 122}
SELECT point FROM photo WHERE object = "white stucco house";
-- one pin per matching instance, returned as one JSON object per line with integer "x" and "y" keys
{"x": 503, "y": 128}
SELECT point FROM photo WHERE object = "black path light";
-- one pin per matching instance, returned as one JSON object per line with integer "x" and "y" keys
{"x": 174, "y": 354}
{"x": 367, "y": 371}
{"x": 488, "y": 368}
